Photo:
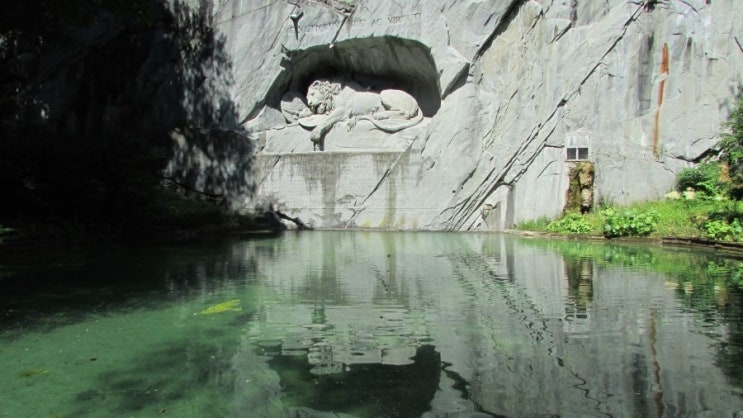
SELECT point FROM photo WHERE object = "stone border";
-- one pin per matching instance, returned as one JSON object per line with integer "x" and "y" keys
{"x": 731, "y": 249}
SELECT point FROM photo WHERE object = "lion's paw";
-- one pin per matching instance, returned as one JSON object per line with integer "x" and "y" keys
{"x": 315, "y": 136}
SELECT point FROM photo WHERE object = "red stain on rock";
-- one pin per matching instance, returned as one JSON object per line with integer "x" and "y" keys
{"x": 661, "y": 92}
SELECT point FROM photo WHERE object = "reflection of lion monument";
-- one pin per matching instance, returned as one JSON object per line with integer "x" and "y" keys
{"x": 332, "y": 101}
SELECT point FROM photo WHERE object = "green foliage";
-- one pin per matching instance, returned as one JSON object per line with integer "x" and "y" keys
{"x": 680, "y": 218}
{"x": 572, "y": 223}
{"x": 170, "y": 210}
{"x": 722, "y": 230}
{"x": 629, "y": 223}
{"x": 704, "y": 178}
{"x": 733, "y": 271}
{"x": 533, "y": 225}
{"x": 723, "y": 223}
{"x": 4, "y": 231}
{"x": 731, "y": 145}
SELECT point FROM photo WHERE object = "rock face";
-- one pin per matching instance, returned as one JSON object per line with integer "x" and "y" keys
{"x": 510, "y": 91}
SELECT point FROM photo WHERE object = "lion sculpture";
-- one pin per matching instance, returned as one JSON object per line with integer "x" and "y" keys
{"x": 332, "y": 101}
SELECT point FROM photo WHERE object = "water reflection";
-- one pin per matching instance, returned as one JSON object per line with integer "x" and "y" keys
{"x": 368, "y": 389}
{"x": 579, "y": 273}
{"x": 533, "y": 329}
{"x": 377, "y": 324}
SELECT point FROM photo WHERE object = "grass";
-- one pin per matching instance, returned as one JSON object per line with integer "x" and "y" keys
{"x": 534, "y": 225}
{"x": 677, "y": 218}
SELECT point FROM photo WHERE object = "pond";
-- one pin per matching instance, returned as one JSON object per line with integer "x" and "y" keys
{"x": 372, "y": 324}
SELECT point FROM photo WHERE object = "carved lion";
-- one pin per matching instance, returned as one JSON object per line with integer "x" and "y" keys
{"x": 350, "y": 101}
{"x": 293, "y": 107}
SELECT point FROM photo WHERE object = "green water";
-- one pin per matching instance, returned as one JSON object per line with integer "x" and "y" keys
{"x": 371, "y": 324}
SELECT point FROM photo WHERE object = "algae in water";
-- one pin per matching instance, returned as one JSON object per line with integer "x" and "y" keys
{"x": 230, "y": 305}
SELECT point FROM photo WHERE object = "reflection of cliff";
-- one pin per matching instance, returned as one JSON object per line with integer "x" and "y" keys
{"x": 579, "y": 274}
{"x": 730, "y": 350}
{"x": 636, "y": 344}
{"x": 366, "y": 390}
{"x": 384, "y": 293}
{"x": 522, "y": 329}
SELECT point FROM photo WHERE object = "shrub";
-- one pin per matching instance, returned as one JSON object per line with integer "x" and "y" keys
{"x": 731, "y": 147}
{"x": 723, "y": 223}
{"x": 722, "y": 230}
{"x": 572, "y": 223}
{"x": 703, "y": 178}
{"x": 629, "y": 223}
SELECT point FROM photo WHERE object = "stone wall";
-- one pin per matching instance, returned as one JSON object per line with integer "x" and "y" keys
{"x": 342, "y": 189}
{"x": 503, "y": 85}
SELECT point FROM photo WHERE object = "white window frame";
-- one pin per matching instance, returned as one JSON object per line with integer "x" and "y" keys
{"x": 578, "y": 146}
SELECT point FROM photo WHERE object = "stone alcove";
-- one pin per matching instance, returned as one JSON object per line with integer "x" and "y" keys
{"x": 377, "y": 62}
{"x": 360, "y": 162}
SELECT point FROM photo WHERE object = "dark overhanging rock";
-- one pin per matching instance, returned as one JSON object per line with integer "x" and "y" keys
{"x": 378, "y": 63}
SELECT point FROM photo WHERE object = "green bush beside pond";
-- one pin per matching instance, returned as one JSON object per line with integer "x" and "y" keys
{"x": 629, "y": 223}
{"x": 572, "y": 223}
{"x": 699, "y": 218}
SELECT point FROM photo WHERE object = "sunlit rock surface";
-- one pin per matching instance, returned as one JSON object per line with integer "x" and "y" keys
{"x": 506, "y": 88}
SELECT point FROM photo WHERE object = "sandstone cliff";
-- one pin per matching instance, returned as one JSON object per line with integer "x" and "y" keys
{"x": 508, "y": 89}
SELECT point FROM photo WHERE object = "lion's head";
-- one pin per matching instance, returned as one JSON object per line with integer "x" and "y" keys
{"x": 320, "y": 95}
